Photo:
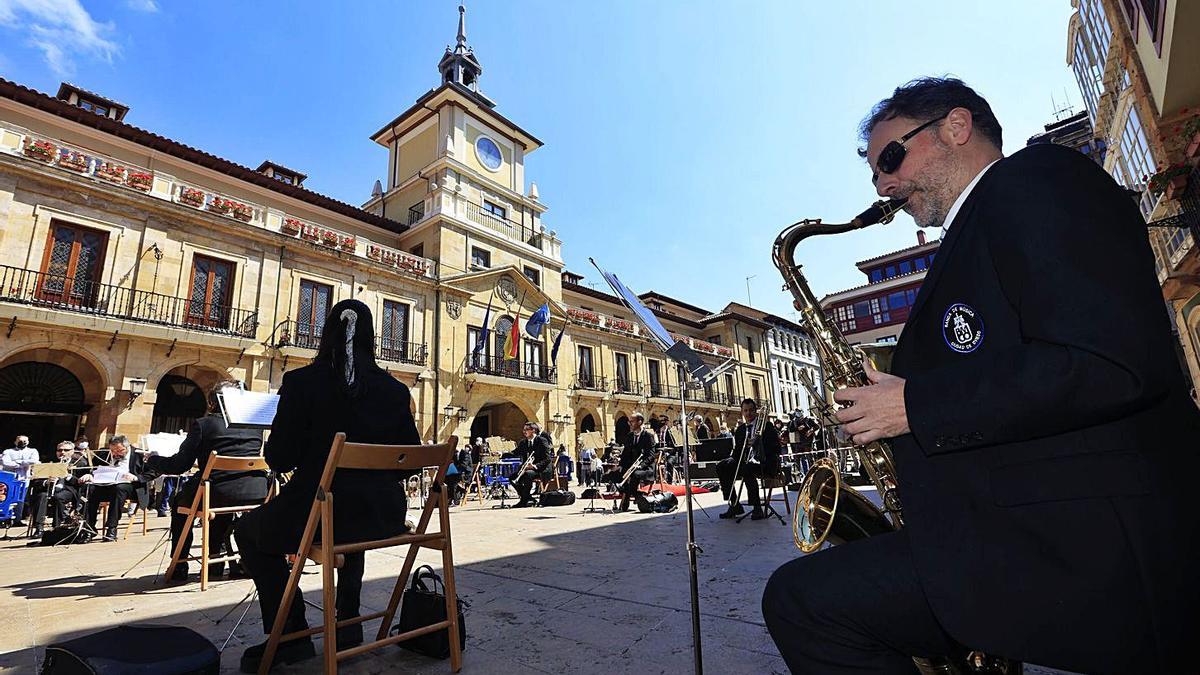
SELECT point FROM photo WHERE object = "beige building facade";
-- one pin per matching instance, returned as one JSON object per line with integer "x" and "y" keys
{"x": 135, "y": 271}
{"x": 1136, "y": 65}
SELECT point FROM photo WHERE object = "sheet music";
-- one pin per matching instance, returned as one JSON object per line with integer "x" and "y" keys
{"x": 107, "y": 475}
{"x": 163, "y": 445}
{"x": 248, "y": 409}
{"x": 591, "y": 440}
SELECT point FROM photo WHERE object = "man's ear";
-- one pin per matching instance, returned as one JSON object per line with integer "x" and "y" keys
{"x": 958, "y": 127}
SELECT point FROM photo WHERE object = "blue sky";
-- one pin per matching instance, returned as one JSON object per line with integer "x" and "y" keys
{"x": 681, "y": 137}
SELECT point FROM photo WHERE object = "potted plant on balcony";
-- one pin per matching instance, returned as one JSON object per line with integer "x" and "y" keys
{"x": 191, "y": 196}
{"x": 73, "y": 160}
{"x": 347, "y": 242}
{"x": 292, "y": 226}
{"x": 37, "y": 149}
{"x": 329, "y": 238}
{"x": 139, "y": 180}
{"x": 1191, "y": 135}
{"x": 110, "y": 171}
{"x": 1171, "y": 181}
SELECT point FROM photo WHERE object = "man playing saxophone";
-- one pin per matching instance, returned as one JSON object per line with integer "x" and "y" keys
{"x": 756, "y": 451}
{"x": 1038, "y": 421}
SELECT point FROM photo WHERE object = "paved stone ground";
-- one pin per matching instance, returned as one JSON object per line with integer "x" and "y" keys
{"x": 551, "y": 590}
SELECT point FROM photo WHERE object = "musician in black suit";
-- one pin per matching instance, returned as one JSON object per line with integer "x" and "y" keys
{"x": 62, "y": 491}
{"x": 342, "y": 390}
{"x": 132, "y": 476}
{"x": 639, "y": 451}
{"x": 1039, "y": 418}
{"x": 701, "y": 429}
{"x": 758, "y": 458}
{"x": 229, "y": 488}
{"x": 537, "y": 444}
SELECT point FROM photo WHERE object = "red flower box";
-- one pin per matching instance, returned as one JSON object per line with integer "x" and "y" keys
{"x": 346, "y": 242}
{"x": 114, "y": 173}
{"x": 292, "y": 226}
{"x": 1175, "y": 186}
{"x": 374, "y": 252}
{"x": 583, "y": 315}
{"x": 413, "y": 265}
{"x": 310, "y": 232}
{"x": 43, "y": 150}
{"x": 140, "y": 181}
{"x": 73, "y": 160}
{"x": 329, "y": 238}
{"x": 191, "y": 196}
{"x": 619, "y": 325}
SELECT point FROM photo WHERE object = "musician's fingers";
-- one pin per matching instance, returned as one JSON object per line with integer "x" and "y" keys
{"x": 856, "y": 427}
{"x": 850, "y": 414}
{"x": 867, "y": 437}
{"x": 847, "y": 394}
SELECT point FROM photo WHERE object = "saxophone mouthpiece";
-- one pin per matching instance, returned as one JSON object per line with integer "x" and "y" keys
{"x": 881, "y": 211}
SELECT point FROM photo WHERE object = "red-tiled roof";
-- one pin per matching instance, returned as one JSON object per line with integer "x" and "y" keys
{"x": 41, "y": 101}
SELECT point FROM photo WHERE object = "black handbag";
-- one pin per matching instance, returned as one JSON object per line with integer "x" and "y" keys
{"x": 423, "y": 605}
{"x": 657, "y": 502}
{"x": 556, "y": 498}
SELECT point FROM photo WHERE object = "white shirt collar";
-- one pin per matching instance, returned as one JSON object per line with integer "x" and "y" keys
{"x": 962, "y": 197}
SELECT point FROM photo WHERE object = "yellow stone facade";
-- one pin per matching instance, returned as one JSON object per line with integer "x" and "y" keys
{"x": 451, "y": 237}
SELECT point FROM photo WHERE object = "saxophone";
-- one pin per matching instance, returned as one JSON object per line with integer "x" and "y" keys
{"x": 826, "y": 511}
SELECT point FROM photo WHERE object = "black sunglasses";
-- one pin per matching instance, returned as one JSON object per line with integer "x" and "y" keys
{"x": 894, "y": 152}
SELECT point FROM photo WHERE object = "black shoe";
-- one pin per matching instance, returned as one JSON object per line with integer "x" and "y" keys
{"x": 236, "y": 571}
{"x": 162, "y": 512}
{"x": 110, "y": 534}
{"x": 522, "y": 504}
{"x": 37, "y": 534}
{"x": 732, "y": 512}
{"x": 288, "y": 652}
{"x": 216, "y": 570}
{"x": 180, "y": 573}
{"x": 757, "y": 514}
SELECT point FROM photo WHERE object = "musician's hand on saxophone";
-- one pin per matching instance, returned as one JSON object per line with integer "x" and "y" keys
{"x": 874, "y": 411}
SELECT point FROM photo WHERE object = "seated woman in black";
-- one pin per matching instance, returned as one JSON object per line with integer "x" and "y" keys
{"x": 229, "y": 488}
{"x": 341, "y": 390}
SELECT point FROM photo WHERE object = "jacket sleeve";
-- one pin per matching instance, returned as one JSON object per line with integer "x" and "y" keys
{"x": 1072, "y": 257}
{"x": 183, "y": 460}
{"x": 9, "y": 461}
{"x": 289, "y": 429}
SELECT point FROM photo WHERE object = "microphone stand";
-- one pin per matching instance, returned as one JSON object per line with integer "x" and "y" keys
{"x": 692, "y": 548}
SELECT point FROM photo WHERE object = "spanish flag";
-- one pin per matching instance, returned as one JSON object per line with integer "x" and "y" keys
{"x": 513, "y": 341}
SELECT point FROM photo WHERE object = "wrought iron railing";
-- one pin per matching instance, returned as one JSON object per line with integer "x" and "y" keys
{"x": 504, "y": 226}
{"x": 517, "y": 370}
{"x": 57, "y": 291}
{"x": 1187, "y": 216}
{"x": 591, "y": 382}
{"x": 307, "y": 335}
{"x": 416, "y": 214}
{"x": 627, "y": 386}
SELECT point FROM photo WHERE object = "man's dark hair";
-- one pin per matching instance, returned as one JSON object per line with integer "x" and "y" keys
{"x": 931, "y": 98}
{"x": 121, "y": 440}
{"x": 750, "y": 402}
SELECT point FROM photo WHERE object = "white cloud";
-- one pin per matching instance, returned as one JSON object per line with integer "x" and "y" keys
{"x": 60, "y": 29}
{"x": 142, "y": 5}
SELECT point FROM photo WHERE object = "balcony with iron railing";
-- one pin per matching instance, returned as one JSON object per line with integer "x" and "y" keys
{"x": 60, "y": 292}
{"x": 306, "y": 335}
{"x": 502, "y": 225}
{"x": 626, "y": 387}
{"x": 517, "y": 370}
{"x": 1179, "y": 220}
{"x": 589, "y": 382}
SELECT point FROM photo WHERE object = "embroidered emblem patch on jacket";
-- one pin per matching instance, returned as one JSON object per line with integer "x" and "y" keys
{"x": 962, "y": 328}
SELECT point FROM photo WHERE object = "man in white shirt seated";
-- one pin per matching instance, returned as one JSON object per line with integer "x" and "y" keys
{"x": 18, "y": 459}
{"x": 128, "y": 476}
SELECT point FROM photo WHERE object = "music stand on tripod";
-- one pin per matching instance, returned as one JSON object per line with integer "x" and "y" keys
{"x": 693, "y": 373}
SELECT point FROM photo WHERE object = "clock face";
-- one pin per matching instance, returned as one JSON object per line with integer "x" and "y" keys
{"x": 488, "y": 153}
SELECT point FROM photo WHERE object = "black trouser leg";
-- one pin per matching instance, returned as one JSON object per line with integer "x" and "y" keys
{"x": 270, "y": 573}
{"x": 524, "y": 484}
{"x": 40, "y": 499}
{"x": 114, "y": 496}
{"x": 66, "y": 495}
{"x": 725, "y": 470}
{"x": 750, "y": 474}
{"x": 182, "y": 497}
{"x": 853, "y": 608}
{"x": 349, "y": 585}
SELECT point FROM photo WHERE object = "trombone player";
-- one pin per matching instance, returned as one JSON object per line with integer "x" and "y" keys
{"x": 1039, "y": 424}
{"x": 752, "y": 458}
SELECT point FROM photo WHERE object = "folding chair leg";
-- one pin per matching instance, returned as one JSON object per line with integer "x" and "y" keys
{"x": 448, "y": 580}
{"x": 204, "y": 525}
{"x": 329, "y": 599}
{"x": 180, "y": 555}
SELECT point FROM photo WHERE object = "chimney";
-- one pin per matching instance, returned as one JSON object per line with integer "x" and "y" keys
{"x": 920, "y": 237}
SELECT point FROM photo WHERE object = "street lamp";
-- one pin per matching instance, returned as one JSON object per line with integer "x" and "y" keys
{"x": 448, "y": 411}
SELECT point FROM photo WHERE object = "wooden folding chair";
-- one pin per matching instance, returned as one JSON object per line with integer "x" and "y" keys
{"x": 103, "y": 516}
{"x": 201, "y": 508}
{"x": 343, "y": 455}
{"x": 772, "y": 483}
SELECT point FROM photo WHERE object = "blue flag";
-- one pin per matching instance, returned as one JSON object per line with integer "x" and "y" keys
{"x": 557, "y": 342}
{"x": 538, "y": 319}
{"x": 483, "y": 335}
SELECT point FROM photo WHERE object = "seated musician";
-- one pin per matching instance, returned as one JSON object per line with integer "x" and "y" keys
{"x": 61, "y": 491}
{"x": 342, "y": 390}
{"x": 610, "y": 465}
{"x": 760, "y": 458}
{"x": 537, "y": 445}
{"x": 229, "y": 488}
{"x": 637, "y": 459}
{"x": 131, "y": 474}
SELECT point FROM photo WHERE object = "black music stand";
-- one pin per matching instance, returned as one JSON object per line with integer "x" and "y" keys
{"x": 693, "y": 373}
